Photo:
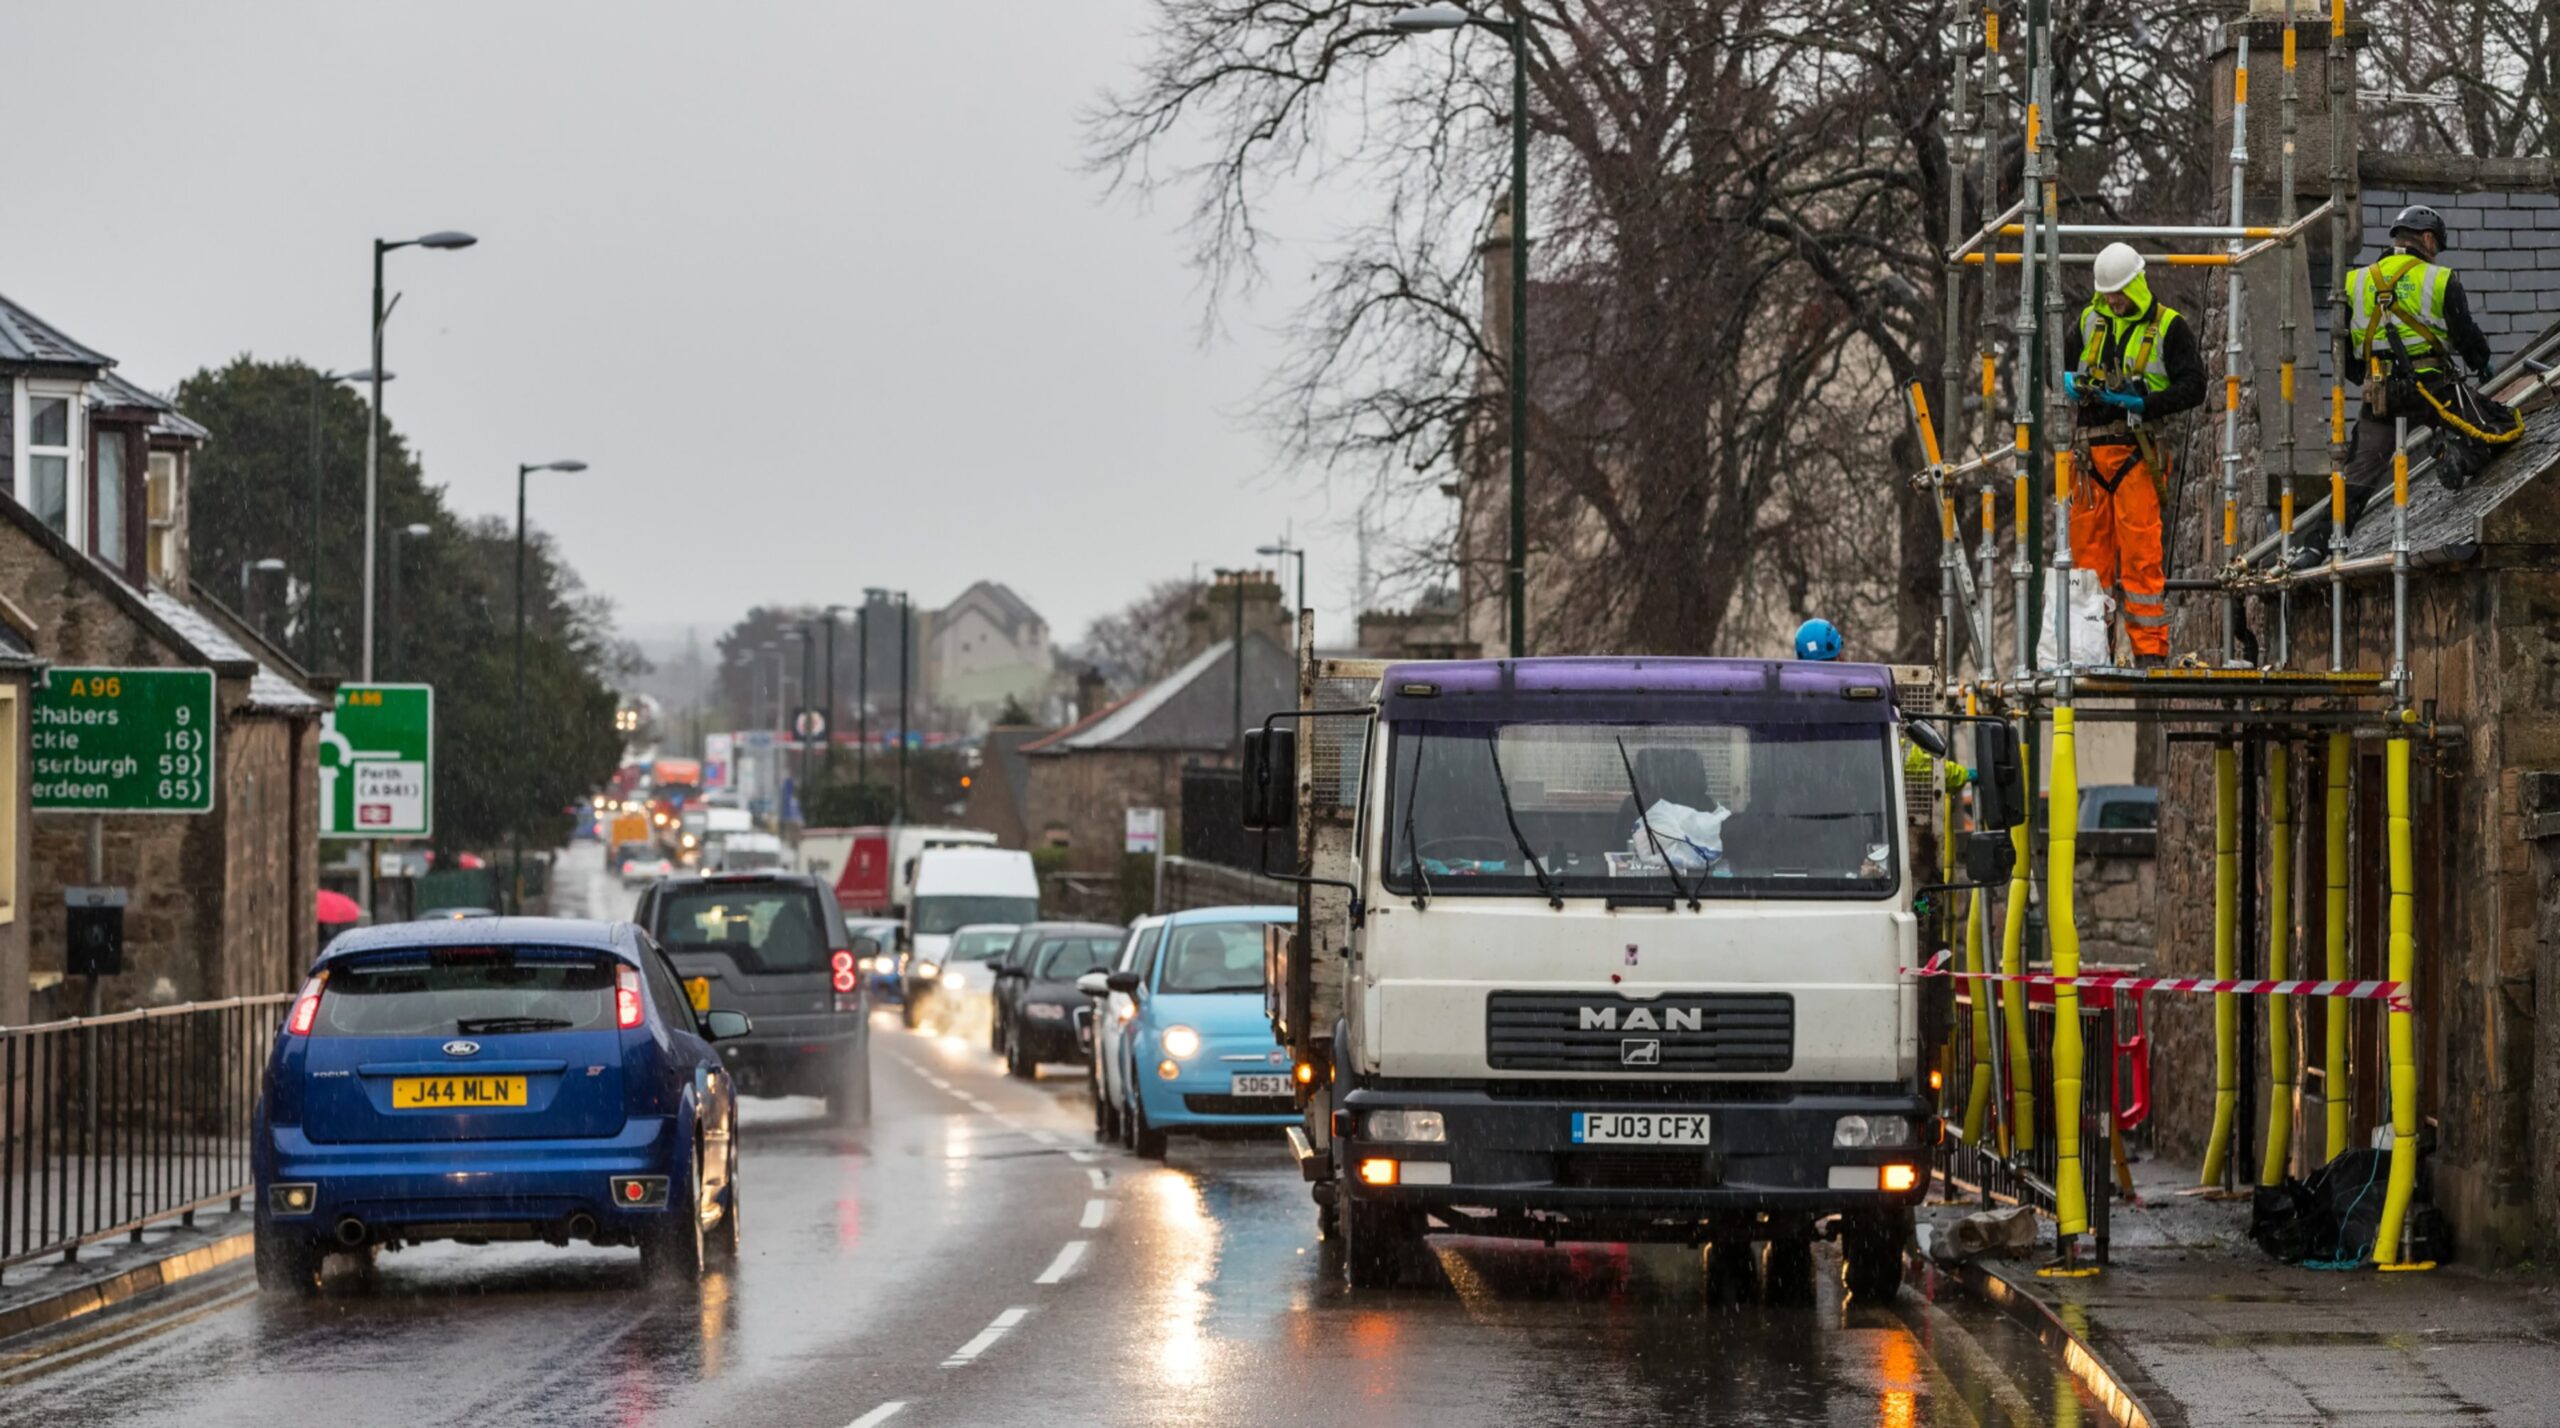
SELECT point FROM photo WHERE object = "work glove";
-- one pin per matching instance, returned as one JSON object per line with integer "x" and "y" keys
{"x": 2487, "y": 371}
{"x": 2071, "y": 385}
{"x": 2129, "y": 401}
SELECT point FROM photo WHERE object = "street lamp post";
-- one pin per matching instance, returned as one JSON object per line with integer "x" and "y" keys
{"x": 1426, "y": 19}
{"x": 835, "y": 613}
{"x": 1280, "y": 551}
{"x": 373, "y": 437}
{"x": 807, "y": 635}
{"x": 515, "y": 823}
{"x": 320, "y": 382}
{"x": 906, "y": 678}
{"x": 400, "y": 535}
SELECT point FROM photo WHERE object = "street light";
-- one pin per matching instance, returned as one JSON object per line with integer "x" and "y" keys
{"x": 1428, "y": 19}
{"x": 444, "y": 239}
{"x": 515, "y": 823}
{"x": 872, "y": 597}
{"x": 835, "y": 614}
{"x": 1282, "y": 550}
{"x": 320, "y": 382}
{"x": 248, "y": 568}
{"x": 399, "y": 535}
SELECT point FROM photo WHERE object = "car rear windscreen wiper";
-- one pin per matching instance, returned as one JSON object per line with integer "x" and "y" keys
{"x": 485, "y": 1025}
{"x": 1644, "y": 816}
{"x": 1502, "y": 786}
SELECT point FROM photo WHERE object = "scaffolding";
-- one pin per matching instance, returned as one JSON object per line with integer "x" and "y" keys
{"x": 2244, "y": 698}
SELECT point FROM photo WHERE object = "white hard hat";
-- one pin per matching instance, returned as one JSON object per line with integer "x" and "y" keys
{"x": 2118, "y": 265}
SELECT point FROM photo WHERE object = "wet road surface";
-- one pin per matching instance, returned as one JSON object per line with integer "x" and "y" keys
{"x": 972, "y": 1257}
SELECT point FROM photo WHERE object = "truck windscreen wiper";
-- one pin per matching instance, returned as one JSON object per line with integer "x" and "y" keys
{"x": 1502, "y": 786}
{"x": 1644, "y": 817}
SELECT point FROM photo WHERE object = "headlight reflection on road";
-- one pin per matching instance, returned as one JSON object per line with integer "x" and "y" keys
{"x": 1192, "y": 1239}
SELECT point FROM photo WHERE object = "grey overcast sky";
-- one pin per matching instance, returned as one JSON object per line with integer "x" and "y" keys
{"x": 818, "y": 289}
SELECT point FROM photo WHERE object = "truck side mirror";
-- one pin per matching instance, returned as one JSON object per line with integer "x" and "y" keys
{"x": 2000, "y": 786}
{"x": 1270, "y": 779}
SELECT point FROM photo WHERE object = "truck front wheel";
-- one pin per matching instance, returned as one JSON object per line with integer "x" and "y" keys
{"x": 1871, "y": 1245}
{"x": 1380, "y": 1243}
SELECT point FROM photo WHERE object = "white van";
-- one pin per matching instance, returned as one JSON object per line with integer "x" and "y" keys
{"x": 744, "y": 853}
{"x": 958, "y": 886}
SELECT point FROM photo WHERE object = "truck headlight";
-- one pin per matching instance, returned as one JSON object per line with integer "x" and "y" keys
{"x": 1181, "y": 1042}
{"x": 1870, "y": 1132}
{"x": 1423, "y": 1126}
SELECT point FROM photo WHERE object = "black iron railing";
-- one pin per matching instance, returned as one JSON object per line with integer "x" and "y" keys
{"x": 2003, "y": 1166}
{"x": 111, "y": 1123}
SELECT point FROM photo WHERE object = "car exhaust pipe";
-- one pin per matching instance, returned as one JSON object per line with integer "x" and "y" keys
{"x": 582, "y": 1226}
{"x": 351, "y": 1232}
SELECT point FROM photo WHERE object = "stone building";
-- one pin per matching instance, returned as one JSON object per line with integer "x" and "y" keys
{"x": 1082, "y": 780}
{"x": 986, "y": 647}
{"x": 94, "y": 572}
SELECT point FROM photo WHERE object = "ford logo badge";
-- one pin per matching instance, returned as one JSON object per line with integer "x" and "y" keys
{"x": 462, "y": 1048}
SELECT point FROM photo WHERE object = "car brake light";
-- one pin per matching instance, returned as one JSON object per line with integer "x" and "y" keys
{"x": 306, "y": 1008}
{"x": 842, "y": 960}
{"x": 626, "y": 997}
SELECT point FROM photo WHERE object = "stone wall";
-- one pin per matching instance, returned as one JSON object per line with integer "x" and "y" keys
{"x": 1087, "y": 793}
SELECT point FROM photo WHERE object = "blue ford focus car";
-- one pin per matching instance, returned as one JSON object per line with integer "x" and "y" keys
{"x": 1194, "y": 1044}
{"x": 495, "y": 1079}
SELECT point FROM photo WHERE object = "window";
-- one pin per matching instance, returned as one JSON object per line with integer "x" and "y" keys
{"x": 48, "y": 488}
{"x": 1750, "y": 808}
{"x": 467, "y": 991}
{"x": 762, "y": 929}
{"x": 979, "y": 945}
{"x": 1214, "y": 957}
{"x": 1063, "y": 959}
{"x": 665, "y": 987}
{"x": 163, "y": 497}
{"x": 1142, "y": 953}
{"x": 107, "y": 532}
{"x": 951, "y": 912}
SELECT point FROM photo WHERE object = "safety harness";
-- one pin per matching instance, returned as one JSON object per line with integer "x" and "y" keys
{"x": 2387, "y": 389}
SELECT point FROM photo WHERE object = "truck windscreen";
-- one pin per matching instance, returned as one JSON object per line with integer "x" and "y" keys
{"x": 1722, "y": 810}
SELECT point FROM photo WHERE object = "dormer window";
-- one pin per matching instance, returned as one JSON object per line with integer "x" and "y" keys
{"x": 49, "y": 464}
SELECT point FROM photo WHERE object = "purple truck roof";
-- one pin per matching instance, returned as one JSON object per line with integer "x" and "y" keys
{"x": 1627, "y": 681}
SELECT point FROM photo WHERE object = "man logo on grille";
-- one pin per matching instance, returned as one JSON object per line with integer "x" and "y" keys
{"x": 1640, "y": 1052}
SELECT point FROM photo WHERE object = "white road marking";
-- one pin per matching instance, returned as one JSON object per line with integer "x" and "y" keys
{"x": 979, "y": 1106}
{"x": 1081, "y": 1157}
{"x": 1064, "y": 1265}
{"x": 879, "y": 1415}
{"x": 1093, "y": 1211}
{"x": 986, "y": 1337}
{"x": 1100, "y": 1180}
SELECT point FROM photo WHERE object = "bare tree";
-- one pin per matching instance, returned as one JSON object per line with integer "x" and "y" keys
{"x": 1142, "y": 641}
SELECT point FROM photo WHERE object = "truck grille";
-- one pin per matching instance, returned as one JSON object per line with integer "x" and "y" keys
{"x": 1636, "y": 1170}
{"x": 1728, "y": 1032}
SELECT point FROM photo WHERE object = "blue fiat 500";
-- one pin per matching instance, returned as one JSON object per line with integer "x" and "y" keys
{"x": 1196, "y": 1046}
{"x": 495, "y": 1079}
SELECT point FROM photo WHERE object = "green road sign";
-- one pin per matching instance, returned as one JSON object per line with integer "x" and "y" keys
{"x": 123, "y": 741}
{"x": 377, "y": 762}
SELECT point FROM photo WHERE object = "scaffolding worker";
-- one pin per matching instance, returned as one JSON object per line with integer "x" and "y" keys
{"x": 2139, "y": 364}
{"x": 2405, "y": 308}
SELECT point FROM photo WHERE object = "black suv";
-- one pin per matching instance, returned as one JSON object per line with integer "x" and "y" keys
{"x": 772, "y": 945}
{"x": 1031, "y": 1028}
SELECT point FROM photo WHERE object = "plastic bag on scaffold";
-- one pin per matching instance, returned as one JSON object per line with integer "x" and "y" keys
{"x": 2092, "y": 640}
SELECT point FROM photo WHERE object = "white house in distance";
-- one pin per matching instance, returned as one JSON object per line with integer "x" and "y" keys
{"x": 985, "y": 647}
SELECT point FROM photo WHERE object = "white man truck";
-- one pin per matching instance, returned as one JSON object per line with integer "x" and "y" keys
{"x": 1602, "y": 949}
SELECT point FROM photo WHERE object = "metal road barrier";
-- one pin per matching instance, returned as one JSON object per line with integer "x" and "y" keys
{"x": 2014, "y": 1162}
{"x": 112, "y": 1123}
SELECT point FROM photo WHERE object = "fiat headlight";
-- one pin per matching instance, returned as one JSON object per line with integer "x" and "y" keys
{"x": 1181, "y": 1042}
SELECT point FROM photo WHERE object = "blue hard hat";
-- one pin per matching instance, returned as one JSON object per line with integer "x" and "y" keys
{"x": 1817, "y": 639}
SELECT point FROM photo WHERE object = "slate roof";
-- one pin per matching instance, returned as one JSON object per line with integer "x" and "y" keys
{"x": 112, "y": 390}
{"x": 268, "y": 690}
{"x": 29, "y": 340}
{"x": 2506, "y": 247}
{"x": 2449, "y": 522}
{"x": 1190, "y": 710}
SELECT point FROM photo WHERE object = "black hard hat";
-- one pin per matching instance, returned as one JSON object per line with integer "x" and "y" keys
{"x": 2418, "y": 218}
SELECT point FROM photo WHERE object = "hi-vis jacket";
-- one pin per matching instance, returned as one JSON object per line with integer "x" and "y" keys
{"x": 2419, "y": 302}
{"x": 2154, "y": 349}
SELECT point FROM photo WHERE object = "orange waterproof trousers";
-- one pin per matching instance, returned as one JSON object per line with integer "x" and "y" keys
{"x": 2115, "y": 532}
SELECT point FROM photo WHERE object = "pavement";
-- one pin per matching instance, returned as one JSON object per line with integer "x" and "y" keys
{"x": 972, "y": 1256}
{"x": 2203, "y": 1328}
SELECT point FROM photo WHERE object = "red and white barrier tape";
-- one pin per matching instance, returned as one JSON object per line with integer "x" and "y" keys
{"x": 2388, "y": 992}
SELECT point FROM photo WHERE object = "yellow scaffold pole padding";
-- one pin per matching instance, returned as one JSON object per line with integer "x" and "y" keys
{"x": 2278, "y": 1155}
{"x": 1978, "y": 1099}
{"x": 2070, "y": 1197}
{"x": 2226, "y": 958}
{"x": 2404, "y": 1030}
{"x": 2333, "y": 1017}
{"x": 2013, "y": 1004}
{"x": 1928, "y": 428}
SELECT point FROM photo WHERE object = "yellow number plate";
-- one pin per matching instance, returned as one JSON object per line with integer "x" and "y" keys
{"x": 698, "y": 989}
{"x": 455, "y": 1093}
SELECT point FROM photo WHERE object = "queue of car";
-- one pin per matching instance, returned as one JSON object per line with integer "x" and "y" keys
{"x": 558, "y": 1080}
